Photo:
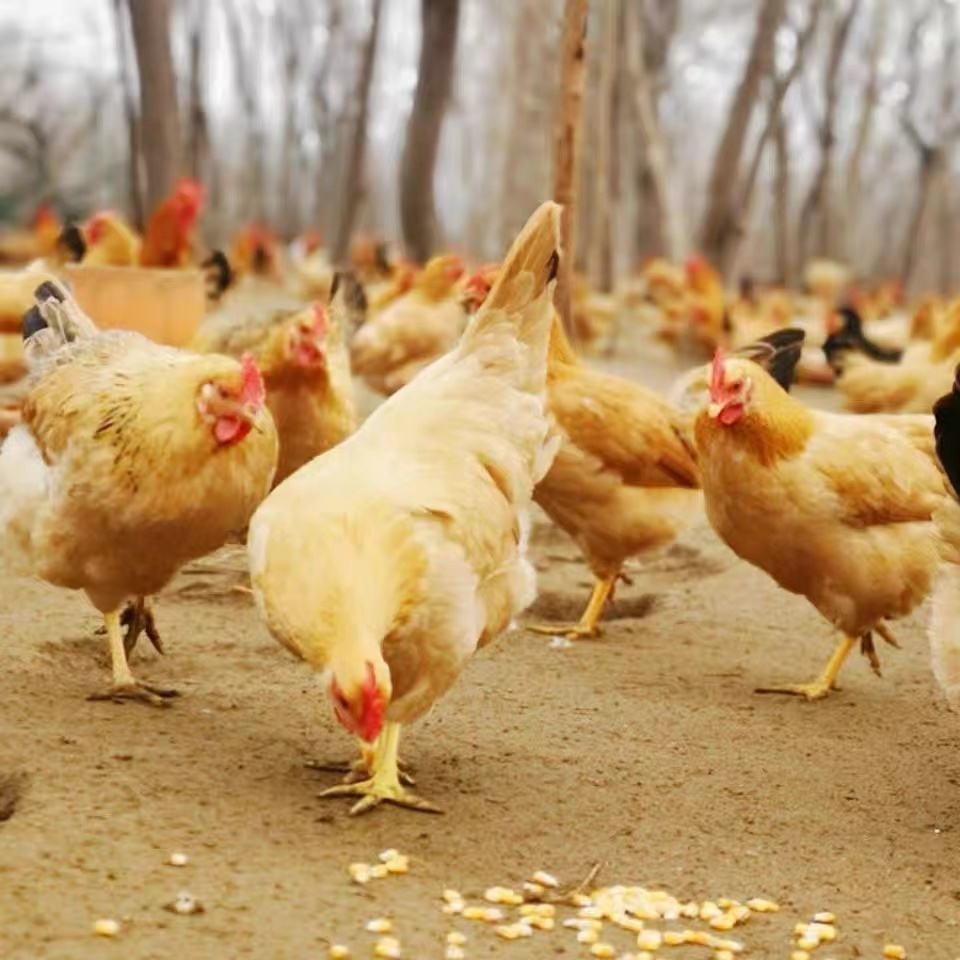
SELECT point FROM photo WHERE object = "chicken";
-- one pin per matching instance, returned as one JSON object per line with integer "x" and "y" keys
{"x": 37, "y": 242}
{"x": 705, "y": 301}
{"x": 168, "y": 239}
{"x": 390, "y": 349}
{"x": 109, "y": 241}
{"x": 834, "y": 507}
{"x": 874, "y": 379}
{"x": 381, "y": 293}
{"x": 944, "y": 630}
{"x": 386, "y": 562}
{"x": 625, "y": 481}
{"x": 256, "y": 252}
{"x": 303, "y": 358}
{"x": 131, "y": 460}
{"x": 16, "y": 295}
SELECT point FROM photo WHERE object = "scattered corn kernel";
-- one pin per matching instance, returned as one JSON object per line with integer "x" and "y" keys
{"x": 674, "y": 938}
{"x": 453, "y": 952}
{"x": 359, "y": 872}
{"x": 452, "y": 896}
{"x": 503, "y": 895}
{"x": 649, "y": 940}
{"x": 456, "y": 938}
{"x": 106, "y": 928}
{"x": 698, "y": 938}
{"x": 537, "y": 910}
{"x": 178, "y": 859}
{"x": 709, "y": 910}
{"x": 486, "y": 914}
{"x": 588, "y": 936}
{"x": 726, "y": 921}
{"x": 733, "y": 946}
{"x": 453, "y": 909}
{"x": 603, "y": 950}
{"x": 398, "y": 865}
{"x": 723, "y": 955}
{"x": 824, "y": 932}
{"x": 338, "y": 951}
{"x": 690, "y": 911}
{"x": 388, "y": 948}
{"x": 629, "y": 924}
{"x": 533, "y": 889}
{"x": 592, "y": 912}
{"x": 387, "y": 855}
{"x": 759, "y": 905}
{"x": 824, "y": 916}
{"x": 579, "y": 899}
{"x": 545, "y": 879}
{"x": 799, "y": 955}
{"x": 378, "y": 871}
{"x": 379, "y": 925}
{"x": 893, "y": 951}
{"x": 808, "y": 943}
{"x": 541, "y": 923}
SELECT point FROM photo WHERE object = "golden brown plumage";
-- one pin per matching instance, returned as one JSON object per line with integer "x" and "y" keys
{"x": 131, "y": 460}
{"x": 392, "y": 347}
{"x": 835, "y": 507}
{"x": 624, "y": 481}
{"x": 387, "y": 561}
{"x": 303, "y": 357}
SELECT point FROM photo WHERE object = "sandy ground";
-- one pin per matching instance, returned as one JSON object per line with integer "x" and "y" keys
{"x": 646, "y": 751}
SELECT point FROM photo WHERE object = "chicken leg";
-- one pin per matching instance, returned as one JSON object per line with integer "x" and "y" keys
{"x": 588, "y": 625}
{"x": 125, "y": 686}
{"x": 384, "y": 785}
{"x": 138, "y": 618}
{"x": 361, "y": 768}
{"x": 819, "y": 688}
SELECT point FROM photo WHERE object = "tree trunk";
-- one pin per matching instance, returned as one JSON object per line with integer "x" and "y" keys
{"x": 781, "y": 204}
{"x": 198, "y": 129}
{"x": 817, "y": 233}
{"x": 418, "y": 217}
{"x": 598, "y": 253}
{"x": 932, "y": 169}
{"x": 134, "y": 157}
{"x": 864, "y": 128}
{"x": 665, "y": 212}
{"x": 720, "y": 221}
{"x": 354, "y": 171}
{"x": 159, "y": 111}
{"x": 566, "y": 156}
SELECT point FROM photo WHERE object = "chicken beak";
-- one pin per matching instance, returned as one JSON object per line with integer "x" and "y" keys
{"x": 714, "y": 410}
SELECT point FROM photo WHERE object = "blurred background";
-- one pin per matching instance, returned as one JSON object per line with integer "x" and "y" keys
{"x": 760, "y": 133}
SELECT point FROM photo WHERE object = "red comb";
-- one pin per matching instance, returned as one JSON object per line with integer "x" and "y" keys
{"x": 253, "y": 389}
{"x": 716, "y": 374}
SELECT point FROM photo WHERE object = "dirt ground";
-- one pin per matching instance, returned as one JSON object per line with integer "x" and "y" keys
{"x": 646, "y": 751}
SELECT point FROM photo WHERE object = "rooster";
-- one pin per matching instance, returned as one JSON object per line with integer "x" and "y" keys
{"x": 131, "y": 460}
{"x": 385, "y": 563}
{"x": 834, "y": 507}
{"x": 168, "y": 239}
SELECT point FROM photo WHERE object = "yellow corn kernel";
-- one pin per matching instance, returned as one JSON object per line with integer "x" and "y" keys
{"x": 603, "y": 950}
{"x": 893, "y": 951}
{"x": 338, "y": 951}
{"x": 388, "y": 948}
{"x": 759, "y": 905}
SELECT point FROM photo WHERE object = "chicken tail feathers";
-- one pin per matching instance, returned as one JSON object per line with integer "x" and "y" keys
{"x": 523, "y": 293}
{"x": 348, "y": 301}
{"x": 53, "y": 321}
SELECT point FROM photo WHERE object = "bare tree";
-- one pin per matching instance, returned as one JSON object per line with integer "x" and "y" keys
{"x": 853, "y": 187}
{"x": 197, "y": 147}
{"x": 933, "y": 146}
{"x": 439, "y": 19}
{"x": 358, "y": 142}
{"x": 134, "y": 158}
{"x": 567, "y": 150}
{"x": 721, "y": 222}
{"x": 667, "y": 219}
{"x": 159, "y": 110}
{"x": 818, "y": 206}
{"x": 599, "y": 267}
{"x": 781, "y": 204}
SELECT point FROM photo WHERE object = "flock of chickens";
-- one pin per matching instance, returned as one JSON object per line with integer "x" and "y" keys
{"x": 383, "y": 555}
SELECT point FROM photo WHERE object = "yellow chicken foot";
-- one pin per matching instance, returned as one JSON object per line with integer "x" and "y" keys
{"x": 588, "y": 625}
{"x": 125, "y": 685}
{"x": 360, "y": 769}
{"x": 819, "y": 688}
{"x": 384, "y": 785}
{"x": 138, "y": 618}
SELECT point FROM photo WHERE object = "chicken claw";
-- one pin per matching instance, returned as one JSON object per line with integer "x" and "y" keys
{"x": 383, "y": 784}
{"x": 125, "y": 685}
{"x": 359, "y": 769}
{"x": 137, "y": 690}
{"x": 138, "y": 618}
{"x": 589, "y": 623}
{"x": 375, "y": 791}
{"x": 819, "y": 688}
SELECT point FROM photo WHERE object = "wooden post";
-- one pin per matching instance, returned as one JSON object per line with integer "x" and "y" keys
{"x": 567, "y": 145}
